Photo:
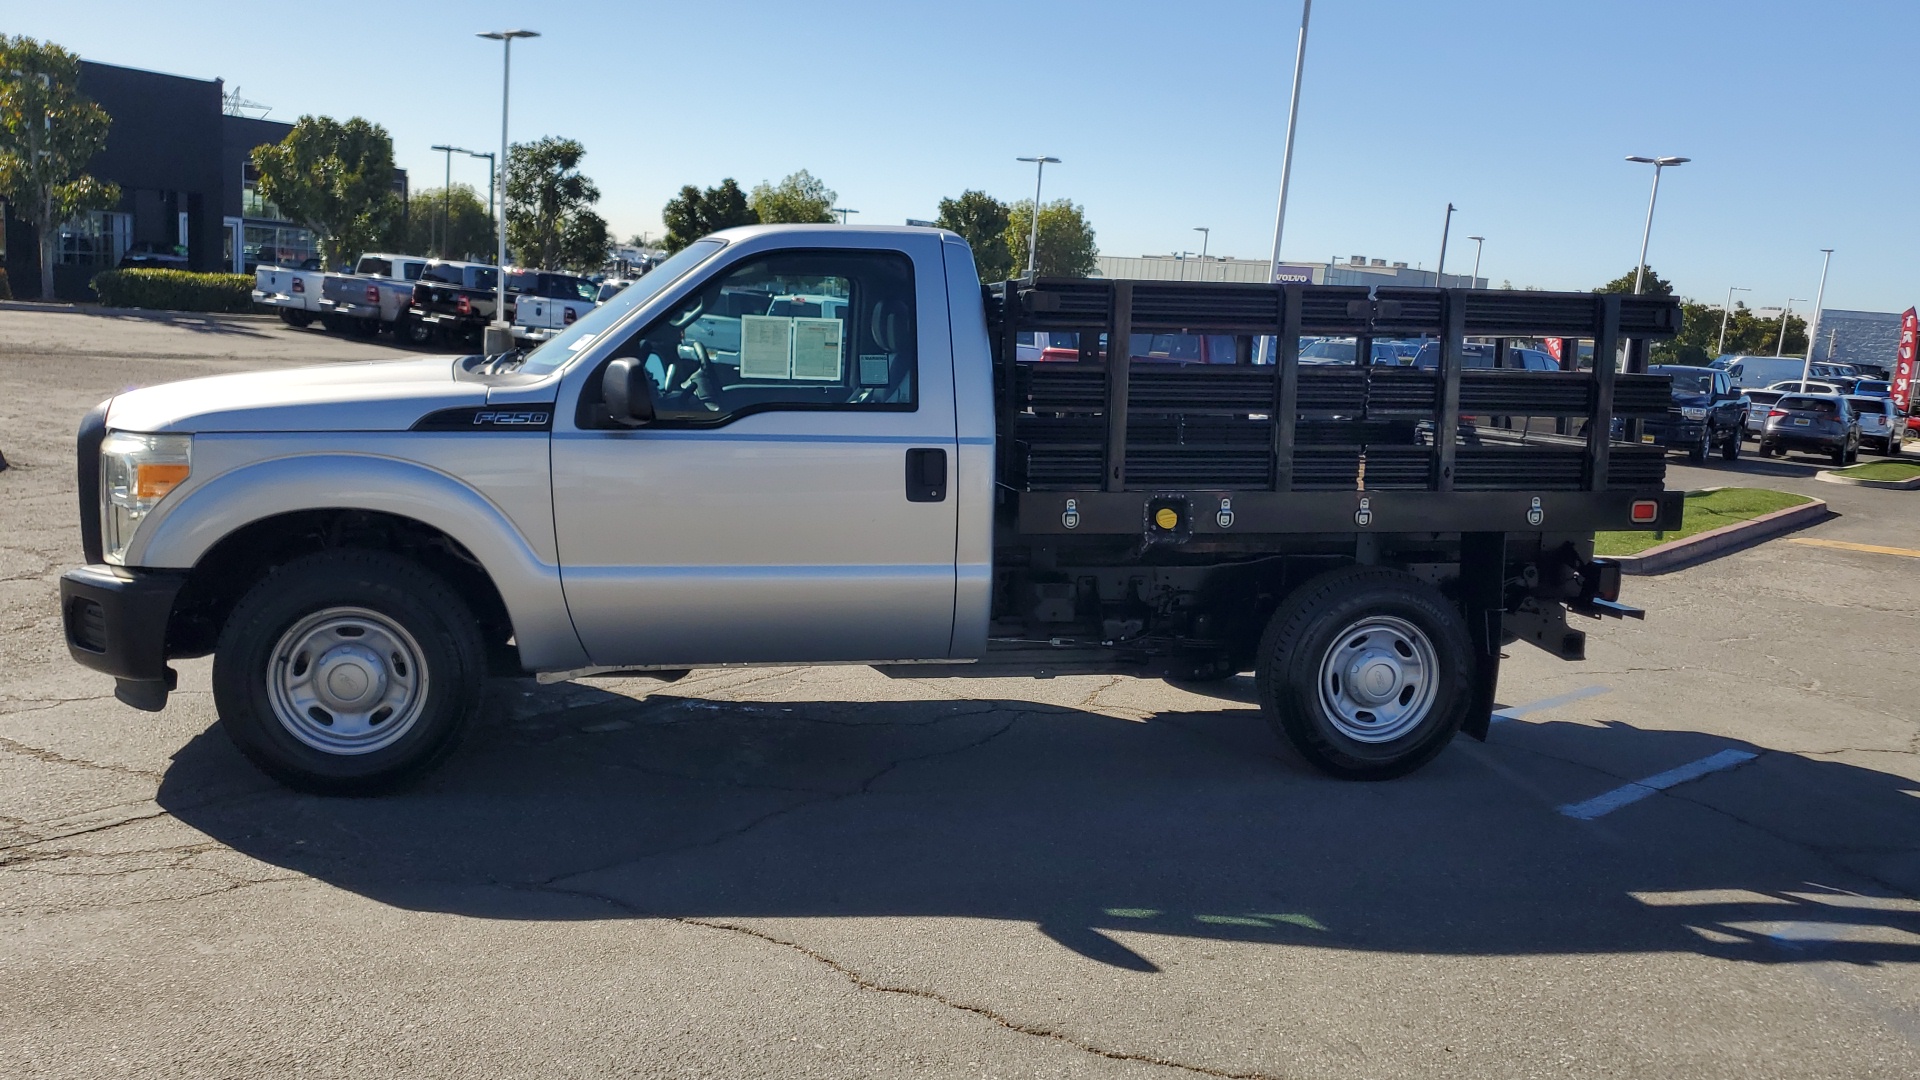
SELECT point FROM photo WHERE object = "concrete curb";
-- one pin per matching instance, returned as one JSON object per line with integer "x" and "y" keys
{"x": 1832, "y": 476}
{"x": 62, "y": 308}
{"x": 1724, "y": 540}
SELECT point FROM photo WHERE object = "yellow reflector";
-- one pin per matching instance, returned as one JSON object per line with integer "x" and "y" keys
{"x": 1167, "y": 518}
{"x": 155, "y": 480}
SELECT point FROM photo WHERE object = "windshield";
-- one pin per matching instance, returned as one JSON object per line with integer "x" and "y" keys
{"x": 587, "y": 330}
{"x": 1692, "y": 382}
{"x": 1343, "y": 351}
{"x": 1818, "y": 406}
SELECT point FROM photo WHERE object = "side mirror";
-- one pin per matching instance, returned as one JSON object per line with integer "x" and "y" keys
{"x": 628, "y": 395}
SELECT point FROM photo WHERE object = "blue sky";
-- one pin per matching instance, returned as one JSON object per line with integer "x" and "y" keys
{"x": 1800, "y": 117}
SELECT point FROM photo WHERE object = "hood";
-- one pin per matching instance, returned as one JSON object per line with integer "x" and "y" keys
{"x": 383, "y": 395}
{"x": 1692, "y": 401}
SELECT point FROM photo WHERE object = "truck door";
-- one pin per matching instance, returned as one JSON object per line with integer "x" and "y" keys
{"x": 789, "y": 501}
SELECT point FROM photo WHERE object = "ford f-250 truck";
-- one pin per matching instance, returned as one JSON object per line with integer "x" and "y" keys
{"x": 872, "y": 477}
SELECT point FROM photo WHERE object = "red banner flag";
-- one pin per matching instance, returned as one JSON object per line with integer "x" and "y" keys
{"x": 1903, "y": 366}
{"x": 1553, "y": 347}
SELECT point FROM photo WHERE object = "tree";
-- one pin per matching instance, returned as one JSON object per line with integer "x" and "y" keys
{"x": 1066, "y": 240}
{"x": 48, "y": 133}
{"x": 336, "y": 179}
{"x": 468, "y": 229}
{"x": 550, "y": 217}
{"x": 1654, "y": 285}
{"x": 981, "y": 220}
{"x": 693, "y": 213}
{"x": 800, "y": 199}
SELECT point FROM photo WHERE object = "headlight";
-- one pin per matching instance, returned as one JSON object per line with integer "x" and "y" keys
{"x": 136, "y": 472}
{"x": 1693, "y": 412}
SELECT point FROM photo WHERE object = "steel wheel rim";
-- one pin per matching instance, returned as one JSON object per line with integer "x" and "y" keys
{"x": 1379, "y": 679}
{"x": 346, "y": 680}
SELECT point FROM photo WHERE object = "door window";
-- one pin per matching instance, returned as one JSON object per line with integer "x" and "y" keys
{"x": 788, "y": 331}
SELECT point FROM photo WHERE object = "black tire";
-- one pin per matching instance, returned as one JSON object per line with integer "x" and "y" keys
{"x": 336, "y": 324}
{"x": 1731, "y": 451}
{"x": 1766, "y": 448}
{"x": 1698, "y": 451}
{"x": 373, "y": 587}
{"x": 1839, "y": 455}
{"x": 1319, "y": 617}
{"x": 413, "y": 332}
{"x": 294, "y": 318}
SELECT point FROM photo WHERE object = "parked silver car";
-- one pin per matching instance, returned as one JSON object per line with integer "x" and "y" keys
{"x": 1881, "y": 426}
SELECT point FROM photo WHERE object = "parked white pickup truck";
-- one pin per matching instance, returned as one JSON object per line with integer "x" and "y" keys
{"x": 295, "y": 292}
{"x": 545, "y": 303}
{"x": 377, "y": 296}
{"x": 812, "y": 444}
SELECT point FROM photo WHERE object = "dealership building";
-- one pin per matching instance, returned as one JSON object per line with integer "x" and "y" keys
{"x": 187, "y": 188}
{"x": 1353, "y": 270}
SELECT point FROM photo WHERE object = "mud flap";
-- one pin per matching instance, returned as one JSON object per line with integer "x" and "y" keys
{"x": 1483, "y": 570}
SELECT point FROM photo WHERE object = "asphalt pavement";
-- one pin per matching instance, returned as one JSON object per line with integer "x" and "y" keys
{"x": 1695, "y": 855}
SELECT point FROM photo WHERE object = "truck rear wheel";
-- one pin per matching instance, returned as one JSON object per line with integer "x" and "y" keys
{"x": 1367, "y": 672}
{"x": 295, "y": 318}
{"x": 348, "y": 672}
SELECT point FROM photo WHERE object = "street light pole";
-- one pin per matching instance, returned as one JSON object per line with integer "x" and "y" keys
{"x": 1640, "y": 271}
{"x": 499, "y": 336}
{"x": 1206, "y": 234}
{"x": 843, "y": 212}
{"x": 1473, "y": 282}
{"x": 1286, "y": 161}
{"x": 1813, "y": 325}
{"x": 1781, "y": 345}
{"x": 1439, "y": 272}
{"x": 489, "y": 155}
{"x": 1040, "y": 164}
{"x": 446, "y": 198}
{"x": 1724, "y": 312}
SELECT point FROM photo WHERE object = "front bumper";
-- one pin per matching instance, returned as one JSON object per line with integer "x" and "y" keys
{"x": 116, "y": 622}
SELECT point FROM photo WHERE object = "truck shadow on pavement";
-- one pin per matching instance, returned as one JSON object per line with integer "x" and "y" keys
{"x": 571, "y": 802}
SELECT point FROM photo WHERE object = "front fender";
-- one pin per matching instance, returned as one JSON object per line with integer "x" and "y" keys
{"x": 529, "y": 585}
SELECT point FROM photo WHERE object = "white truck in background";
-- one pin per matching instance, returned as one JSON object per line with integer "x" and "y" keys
{"x": 377, "y": 296}
{"x": 295, "y": 292}
{"x": 545, "y": 303}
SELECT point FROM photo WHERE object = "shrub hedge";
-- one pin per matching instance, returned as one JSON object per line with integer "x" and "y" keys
{"x": 6, "y": 287}
{"x": 174, "y": 290}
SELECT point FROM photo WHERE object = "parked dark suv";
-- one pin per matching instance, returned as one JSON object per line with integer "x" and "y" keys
{"x": 1706, "y": 412}
{"x": 1813, "y": 423}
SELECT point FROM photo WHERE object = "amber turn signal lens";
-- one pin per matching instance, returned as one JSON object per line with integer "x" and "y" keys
{"x": 155, "y": 480}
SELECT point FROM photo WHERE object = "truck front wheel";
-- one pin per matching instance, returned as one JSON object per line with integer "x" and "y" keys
{"x": 1367, "y": 672}
{"x": 348, "y": 672}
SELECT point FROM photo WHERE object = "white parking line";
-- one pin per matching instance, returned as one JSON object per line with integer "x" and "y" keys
{"x": 1628, "y": 794}
{"x": 1515, "y": 712}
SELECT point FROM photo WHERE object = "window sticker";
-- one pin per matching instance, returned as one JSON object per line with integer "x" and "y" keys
{"x": 766, "y": 347}
{"x": 874, "y": 368}
{"x": 816, "y": 349}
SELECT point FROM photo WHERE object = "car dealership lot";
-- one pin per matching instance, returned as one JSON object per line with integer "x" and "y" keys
{"x": 780, "y": 872}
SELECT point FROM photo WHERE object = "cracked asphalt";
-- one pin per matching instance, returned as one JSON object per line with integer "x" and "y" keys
{"x": 834, "y": 873}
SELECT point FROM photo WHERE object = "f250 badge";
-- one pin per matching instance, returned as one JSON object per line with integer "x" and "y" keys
{"x": 505, "y": 418}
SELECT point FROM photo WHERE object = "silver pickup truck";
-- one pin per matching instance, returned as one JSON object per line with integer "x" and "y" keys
{"x": 821, "y": 445}
{"x": 377, "y": 296}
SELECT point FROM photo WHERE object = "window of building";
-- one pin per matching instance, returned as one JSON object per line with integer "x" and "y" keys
{"x": 279, "y": 245}
{"x": 98, "y": 238}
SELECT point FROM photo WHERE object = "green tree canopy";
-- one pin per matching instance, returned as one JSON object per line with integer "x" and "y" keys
{"x": 694, "y": 213}
{"x": 550, "y": 218}
{"x": 800, "y": 199}
{"x": 1066, "y": 240}
{"x": 334, "y": 178}
{"x": 1655, "y": 285}
{"x": 981, "y": 220}
{"x": 452, "y": 225}
{"x": 48, "y": 133}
